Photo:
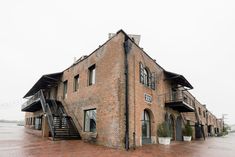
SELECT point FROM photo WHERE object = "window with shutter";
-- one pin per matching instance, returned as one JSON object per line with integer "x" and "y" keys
{"x": 146, "y": 77}
{"x": 149, "y": 79}
{"x": 141, "y": 73}
{"x": 153, "y": 80}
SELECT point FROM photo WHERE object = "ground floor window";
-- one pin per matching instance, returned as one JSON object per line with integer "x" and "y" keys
{"x": 38, "y": 123}
{"x": 90, "y": 120}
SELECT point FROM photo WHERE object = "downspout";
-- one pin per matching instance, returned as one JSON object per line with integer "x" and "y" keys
{"x": 127, "y": 48}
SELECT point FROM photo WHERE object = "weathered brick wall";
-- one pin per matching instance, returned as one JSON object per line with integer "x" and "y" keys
{"x": 106, "y": 95}
{"x": 137, "y": 102}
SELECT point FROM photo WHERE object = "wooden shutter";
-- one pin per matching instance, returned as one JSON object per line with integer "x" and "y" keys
{"x": 141, "y": 73}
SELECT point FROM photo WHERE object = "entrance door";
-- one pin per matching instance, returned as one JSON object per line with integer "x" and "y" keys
{"x": 179, "y": 129}
{"x": 171, "y": 125}
{"x": 146, "y": 134}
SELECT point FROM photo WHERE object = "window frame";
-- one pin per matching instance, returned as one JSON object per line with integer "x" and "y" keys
{"x": 92, "y": 75}
{"x": 76, "y": 80}
{"x": 204, "y": 114}
{"x": 146, "y": 77}
{"x": 65, "y": 90}
{"x": 199, "y": 110}
{"x": 84, "y": 121}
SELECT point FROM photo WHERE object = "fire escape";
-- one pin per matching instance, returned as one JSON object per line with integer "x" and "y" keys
{"x": 60, "y": 124}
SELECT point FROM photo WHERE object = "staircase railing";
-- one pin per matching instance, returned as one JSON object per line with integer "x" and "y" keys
{"x": 54, "y": 105}
{"x": 47, "y": 111}
{"x": 179, "y": 95}
{"x": 31, "y": 100}
{"x": 65, "y": 119}
{"x": 74, "y": 117}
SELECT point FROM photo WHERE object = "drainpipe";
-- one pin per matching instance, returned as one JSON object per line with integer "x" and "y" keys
{"x": 127, "y": 48}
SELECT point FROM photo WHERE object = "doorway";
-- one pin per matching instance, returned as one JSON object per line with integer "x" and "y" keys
{"x": 146, "y": 128}
{"x": 179, "y": 129}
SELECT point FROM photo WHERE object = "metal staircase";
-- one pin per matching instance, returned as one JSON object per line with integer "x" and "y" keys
{"x": 60, "y": 124}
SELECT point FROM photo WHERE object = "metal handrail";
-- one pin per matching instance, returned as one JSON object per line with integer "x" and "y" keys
{"x": 74, "y": 117}
{"x": 33, "y": 99}
{"x": 47, "y": 111}
{"x": 60, "y": 110}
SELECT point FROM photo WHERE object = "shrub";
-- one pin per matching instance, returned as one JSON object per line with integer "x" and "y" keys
{"x": 164, "y": 130}
{"x": 187, "y": 131}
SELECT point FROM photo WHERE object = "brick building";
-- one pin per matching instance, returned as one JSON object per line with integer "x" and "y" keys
{"x": 115, "y": 97}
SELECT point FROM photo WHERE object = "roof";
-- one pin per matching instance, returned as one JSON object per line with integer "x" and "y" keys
{"x": 46, "y": 81}
{"x": 177, "y": 78}
{"x": 52, "y": 79}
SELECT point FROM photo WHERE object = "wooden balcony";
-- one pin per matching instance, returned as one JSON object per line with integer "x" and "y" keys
{"x": 179, "y": 101}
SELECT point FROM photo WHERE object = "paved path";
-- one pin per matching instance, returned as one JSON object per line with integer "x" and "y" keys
{"x": 15, "y": 142}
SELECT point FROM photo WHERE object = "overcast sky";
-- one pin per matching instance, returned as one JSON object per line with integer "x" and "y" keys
{"x": 193, "y": 38}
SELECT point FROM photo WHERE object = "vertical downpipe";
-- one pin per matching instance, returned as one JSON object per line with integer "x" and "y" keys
{"x": 126, "y": 49}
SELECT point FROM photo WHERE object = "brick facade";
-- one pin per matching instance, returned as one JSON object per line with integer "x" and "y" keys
{"x": 107, "y": 95}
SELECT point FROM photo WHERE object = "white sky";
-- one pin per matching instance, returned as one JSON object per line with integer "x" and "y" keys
{"x": 193, "y": 38}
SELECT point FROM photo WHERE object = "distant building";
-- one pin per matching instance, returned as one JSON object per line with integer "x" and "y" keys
{"x": 232, "y": 128}
{"x": 116, "y": 97}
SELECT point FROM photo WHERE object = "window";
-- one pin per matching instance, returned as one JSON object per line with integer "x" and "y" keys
{"x": 141, "y": 73}
{"x": 146, "y": 77}
{"x": 199, "y": 110}
{"x": 90, "y": 120}
{"x": 38, "y": 123}
{"x": 92, "y": 75}
{"x": 65, "y": 89}
{"x": 204, "y": 114}
{"x": 153, "y": 80}
{"x": 146, "y": 125}
{"x": 76, "y": 83}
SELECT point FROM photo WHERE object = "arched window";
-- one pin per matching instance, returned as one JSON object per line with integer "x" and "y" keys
{"x": 146, "y": 77}
{"x": 141, "y": 73}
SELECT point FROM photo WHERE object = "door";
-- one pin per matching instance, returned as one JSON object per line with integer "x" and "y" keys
{"x": 179, "y": 129}
{"x": 171, "y": 126}
{"x": 146, "y": 128}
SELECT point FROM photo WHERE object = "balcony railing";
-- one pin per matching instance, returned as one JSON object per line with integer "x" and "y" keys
{"x": 180, "y": 101}
{"x": 34, "y": 98}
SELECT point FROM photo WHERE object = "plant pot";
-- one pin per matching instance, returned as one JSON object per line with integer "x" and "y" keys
{"x": 187, "y": 138}
{"x": 164, "y": 140}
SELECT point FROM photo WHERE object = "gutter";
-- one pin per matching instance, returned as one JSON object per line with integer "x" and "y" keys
{"x": 127, "y": 48}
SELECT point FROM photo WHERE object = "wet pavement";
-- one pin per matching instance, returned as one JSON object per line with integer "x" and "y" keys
{"x": 15, "y": 142}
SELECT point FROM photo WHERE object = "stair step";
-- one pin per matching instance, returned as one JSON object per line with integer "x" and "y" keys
{"x": 63, "y": 125}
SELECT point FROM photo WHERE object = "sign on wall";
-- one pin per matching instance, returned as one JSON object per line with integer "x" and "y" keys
{"x": 148, "y": 98}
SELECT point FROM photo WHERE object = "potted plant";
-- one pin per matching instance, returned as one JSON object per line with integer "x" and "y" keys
{"x": 164, "y": 133}
{"x": 187, "y": 132}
